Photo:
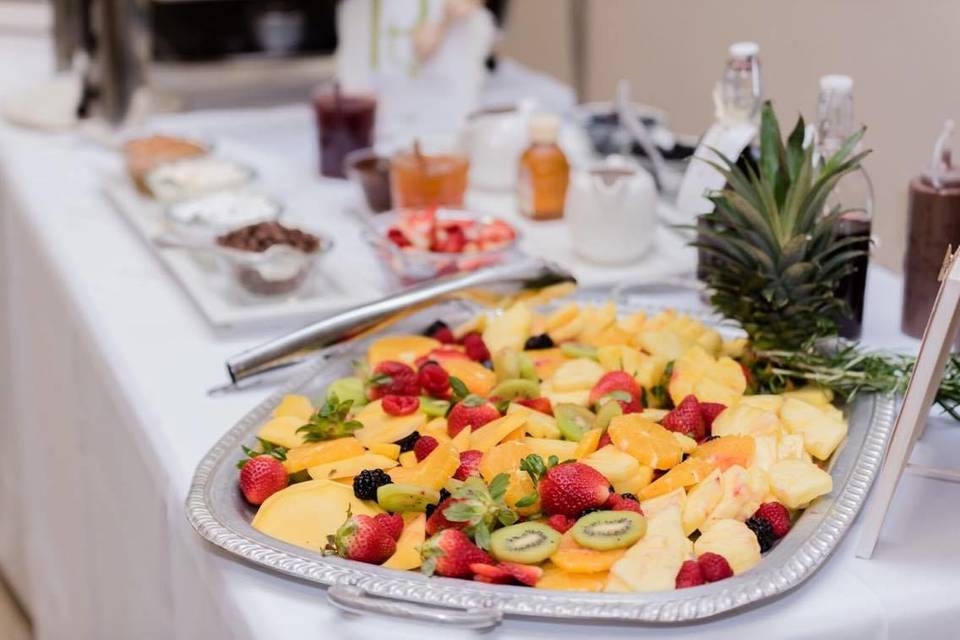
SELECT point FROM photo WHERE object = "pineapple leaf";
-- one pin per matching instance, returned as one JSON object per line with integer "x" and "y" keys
{"x": 795, "y": 149}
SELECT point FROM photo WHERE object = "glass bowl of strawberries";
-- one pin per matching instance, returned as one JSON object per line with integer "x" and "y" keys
{"x": 418, "y": 244}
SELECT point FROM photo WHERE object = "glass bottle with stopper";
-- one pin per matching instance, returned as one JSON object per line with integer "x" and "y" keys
{"x": 853, "y": 195}
{"x": 544, "y": 171}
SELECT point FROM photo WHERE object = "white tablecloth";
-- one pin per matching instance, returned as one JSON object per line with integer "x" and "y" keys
{"x": 104, "y": 365}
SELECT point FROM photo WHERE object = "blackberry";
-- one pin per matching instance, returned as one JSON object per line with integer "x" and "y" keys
{"x": 629, "y": 496}
{"x": 587, "y": 511}
{"x": 764, "y": 532}
{"x": 444, "y": 494}
{"x": 407, "y": 444}
{"x": 439, "y": 330}
{"x": 542, "y": 341}
{"x": 366, "y": 483}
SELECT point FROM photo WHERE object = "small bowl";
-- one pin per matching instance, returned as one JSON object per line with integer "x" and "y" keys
{"x": 214, "y": 214}
{"x": 371, "y": 171}
{"x": 194, "y": 177}
{"x": 279, "y": 270}
{"x": 144, "y": 154}
{"x": 416, "y": 264}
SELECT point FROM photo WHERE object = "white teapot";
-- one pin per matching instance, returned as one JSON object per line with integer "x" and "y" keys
{"x": 611, "y": 210}
{"x": 494, "y": 139}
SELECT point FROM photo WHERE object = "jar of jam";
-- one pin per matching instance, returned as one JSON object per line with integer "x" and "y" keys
{"x": 933, "y": 225}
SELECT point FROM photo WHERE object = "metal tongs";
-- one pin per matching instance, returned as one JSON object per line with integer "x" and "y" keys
{"x": 275, "y": 359}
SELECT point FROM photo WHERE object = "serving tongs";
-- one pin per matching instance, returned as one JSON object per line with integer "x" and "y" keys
{"x": 276, "y": 359}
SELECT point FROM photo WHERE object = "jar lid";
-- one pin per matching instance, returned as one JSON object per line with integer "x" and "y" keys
{"x": 744, "y": 49}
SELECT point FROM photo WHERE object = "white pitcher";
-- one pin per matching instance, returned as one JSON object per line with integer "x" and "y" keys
{"x": 611, "y": 210}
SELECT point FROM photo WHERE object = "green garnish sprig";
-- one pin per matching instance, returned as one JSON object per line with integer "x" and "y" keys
{"x": 482, "y": 507}
{"x": 330, "y": 421}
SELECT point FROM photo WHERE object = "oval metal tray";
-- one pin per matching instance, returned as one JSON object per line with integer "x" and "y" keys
{"x": 218, "y": 512}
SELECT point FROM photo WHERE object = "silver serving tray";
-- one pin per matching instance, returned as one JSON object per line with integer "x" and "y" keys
{"x": 219, "y": 513}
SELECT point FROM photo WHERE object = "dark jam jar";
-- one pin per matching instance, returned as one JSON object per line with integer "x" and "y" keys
{"x": 854, "y": 224}
{"x": 344, "y": 124}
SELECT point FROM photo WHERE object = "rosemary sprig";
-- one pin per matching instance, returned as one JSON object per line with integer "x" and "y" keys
{"x": 848, "y": 370}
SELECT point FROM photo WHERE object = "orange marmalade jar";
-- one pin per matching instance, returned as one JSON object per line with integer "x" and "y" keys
{"x": 544, "y": 171}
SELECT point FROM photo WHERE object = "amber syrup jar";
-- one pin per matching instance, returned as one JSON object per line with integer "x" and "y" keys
{"x": 544, "y": 171}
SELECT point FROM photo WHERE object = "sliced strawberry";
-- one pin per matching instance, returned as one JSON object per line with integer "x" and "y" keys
{"x": 615, "y": 381}
{"x": 424, "y": 446}
{"x": 473, "y": 411}
{"x": 392, "y": 378}
{"x": 493, "y": 574}
{"x": 523, "y": 573}
{"x": 469, "y": 464}
{"x": 450, "y": 553}
{"x": 541, "y": 404}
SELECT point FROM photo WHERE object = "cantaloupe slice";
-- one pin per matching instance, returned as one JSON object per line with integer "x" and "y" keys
{"x": 546, "y": 447}
{"x": 294, "y": 406}
{"x": 405, "y": 349}
{"x": 314, "y": 453}
{"x": 350, "y": 467}
{"x": 490, "y": 434}
{"x": 283, "y": 431}
{"x": 407, "y": 555}
{"x": 306, "y": 513}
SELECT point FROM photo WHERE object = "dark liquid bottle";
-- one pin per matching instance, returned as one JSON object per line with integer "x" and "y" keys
{"x": 851, "y": 289}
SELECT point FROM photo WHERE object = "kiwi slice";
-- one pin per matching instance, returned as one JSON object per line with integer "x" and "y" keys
{"x": 400, "y": 498}
{"x": 506, "y": 364}
{"x": 528, "y": 370}
{"x": 526, "y": 543}
{"x": 573, "y": 420}
{"x": 605, "y": 530}
{"x": 577, "y": 350}
{"x": 606, "y": 413}
{"x": 516, "y": 388}
{"x": 434, "y": 408}
{"x": 348, "y": 389}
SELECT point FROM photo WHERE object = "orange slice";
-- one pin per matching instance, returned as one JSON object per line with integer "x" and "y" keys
{"x": 646, "y": 441}
{"x": 727, "y": 451}
{"x": 686, "y": 474}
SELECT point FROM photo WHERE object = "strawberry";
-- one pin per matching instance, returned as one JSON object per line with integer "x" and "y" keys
{"x": 686, "y": 419}
{"x": 261, "y": 477}
{"x": 777, "y": 515}
{"x": 522, "y": 573}
{"x": 363, "y": 539}
{"x": 425, "y": 444}
{"x": 450, "y": 553}
{"x": 397, "y": 237}
{"x": 614, "y": 381}
{"x": 469, "y": 464}
{"x": 472, "y": 410}
{"x": 392, "y": 523}
{"x": 434, "y": 380}
{"x": 617, "y": 502}
{"x": 537, "y": 404}
{"x": 441, "y": 332}
{"x": 572, "y": 487}
{"x": 438, "y": 522}
{"x": 475, "y": 348}
{"x": 490, "y": 574}
{"x": 561, "y": 523}
{"x": 605, "y": 439}
{"x": 399, "y": 405}
{"x": 714, "y": 566}
{"x": 709, "y": 411}
{"x": 392, "y": 378}
{"x": 690, "y": 575}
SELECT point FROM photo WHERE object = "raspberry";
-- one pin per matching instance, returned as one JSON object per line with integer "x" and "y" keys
{"x": 714, "y": 566}
{"x": 393, "y": 378}
{"x": 764, "y": 532}
{"x": 424, "y": 446}
{"x": 561, "y": 522}
{"x": 434, "y": 380}
{"x": 542, "y": 405}
{"x": 441, "y": 332}
{"x": 542, "y": 341}
{"x": 407, "y": 444}
{"x": 777, "y": 515}
{"x": 475, "y": 348}
{"x": 366, "y": 483}
{"x": 400, "y": 405}
{"x": 690, "y": 575}
{"x": 620, "y": 503}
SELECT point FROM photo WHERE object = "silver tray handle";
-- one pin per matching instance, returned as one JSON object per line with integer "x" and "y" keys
{"x": 354, "y": 600}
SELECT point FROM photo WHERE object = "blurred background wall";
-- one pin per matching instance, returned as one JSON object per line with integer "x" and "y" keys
{"x": 900, "y": 54}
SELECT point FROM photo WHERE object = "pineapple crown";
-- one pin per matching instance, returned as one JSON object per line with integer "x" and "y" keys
{"x": 776, "y": 259}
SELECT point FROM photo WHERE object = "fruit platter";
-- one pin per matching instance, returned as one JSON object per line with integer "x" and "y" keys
{"x": 585, "y": 458}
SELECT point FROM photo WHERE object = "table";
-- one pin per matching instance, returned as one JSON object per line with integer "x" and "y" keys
{"x": 105, "y": 366}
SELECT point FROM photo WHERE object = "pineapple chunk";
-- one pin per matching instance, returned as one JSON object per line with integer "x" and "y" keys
{"x": 649, "y": 370}
{"x": 814, "y": 395}
{"x": 764, "y": 401}
{"x": 665, "y": 344}
{"x": 617, "y": 466}
{"x": 732, "y": 540}
{"x": 822, "y": 430}
{"x": 766, "y": 452}
{"x": 653, "y": 506}
{"x": 797, "y": 482}
{"x": 747, "y": 420}
{"x": 596, "y": 320}
{"x": 701, "y": 500}
{"x": 734, "y": 348}
{"x": 576, "y": 375}
{"x": 791, "y": 447}
{"x": 743, "y": 492}
{"x": 711, "y": 342}
{"x": 509, "y": 330}
{"x": 652, "y": 563}
{"x": 538, "y": 425}
{"x": 562, "y": 316}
